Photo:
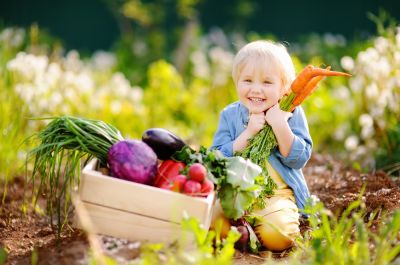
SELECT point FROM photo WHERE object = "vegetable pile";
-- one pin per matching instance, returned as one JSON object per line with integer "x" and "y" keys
{"x": 66, "y": 140}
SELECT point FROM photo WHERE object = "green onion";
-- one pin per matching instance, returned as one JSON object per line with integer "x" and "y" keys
{"x": 63, "y": 143}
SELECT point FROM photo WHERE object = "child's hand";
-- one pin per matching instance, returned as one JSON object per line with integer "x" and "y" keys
{"x": 256, "y": 123}
{"x": 277, "y": 117}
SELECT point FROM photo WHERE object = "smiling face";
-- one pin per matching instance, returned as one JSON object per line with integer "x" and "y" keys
{"x": 259, "y": 85}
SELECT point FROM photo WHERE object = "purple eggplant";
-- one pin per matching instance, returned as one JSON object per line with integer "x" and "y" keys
{"x": 163, "y": 142}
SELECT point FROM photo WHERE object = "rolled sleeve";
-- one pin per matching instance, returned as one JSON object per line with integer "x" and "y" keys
{"x": 300, "y": 151}
{"x": 299, "y": 154}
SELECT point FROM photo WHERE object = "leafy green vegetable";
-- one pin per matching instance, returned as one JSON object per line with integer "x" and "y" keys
{"x": 238, "y": 191}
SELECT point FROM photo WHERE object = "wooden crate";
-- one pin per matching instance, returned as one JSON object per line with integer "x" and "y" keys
{"x": 135, "y": 211}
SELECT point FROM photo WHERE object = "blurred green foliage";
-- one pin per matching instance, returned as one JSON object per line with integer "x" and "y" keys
{"x": 139, "y": 85}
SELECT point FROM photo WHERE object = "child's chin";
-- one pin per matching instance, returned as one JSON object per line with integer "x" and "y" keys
{"x": 257, "y": 109}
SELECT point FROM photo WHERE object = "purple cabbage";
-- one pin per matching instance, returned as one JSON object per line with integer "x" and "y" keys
{"x": 132, "y": 160}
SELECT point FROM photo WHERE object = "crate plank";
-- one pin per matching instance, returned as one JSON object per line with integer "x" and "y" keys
{"x": 123, "y": 224}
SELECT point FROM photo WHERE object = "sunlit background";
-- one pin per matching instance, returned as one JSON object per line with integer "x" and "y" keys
{"x": 141, "y": 64}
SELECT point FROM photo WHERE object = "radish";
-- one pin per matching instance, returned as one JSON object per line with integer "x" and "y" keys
{"x": 192, "y": 187}
{"x": 207, "y": 187}
{"x": 178, "y": 182}
{"x": 197, "y": 172}
{"x": 241, "y": 244}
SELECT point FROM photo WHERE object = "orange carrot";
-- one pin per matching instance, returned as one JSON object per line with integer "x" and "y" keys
{"x": 308, "y": 73}
{"x": 308, "y": 90}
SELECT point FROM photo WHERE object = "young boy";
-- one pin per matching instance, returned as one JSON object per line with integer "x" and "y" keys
{"x": 263, "y": 72}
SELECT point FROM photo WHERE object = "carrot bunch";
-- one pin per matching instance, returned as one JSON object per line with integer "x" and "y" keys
{"x": 305, "y": 84}
{"x": 260, "y": 146}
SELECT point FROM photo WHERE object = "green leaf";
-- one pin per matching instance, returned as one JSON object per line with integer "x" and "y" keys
{"x": 241, "y": 172}
{"x": 3, "y": 255}
{"x": 254, "y": 243}
{"x": 235, "y": 202}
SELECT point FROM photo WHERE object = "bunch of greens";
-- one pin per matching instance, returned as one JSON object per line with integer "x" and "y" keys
{"x": 235, "y": 178}
{"x": 57, "y": 159}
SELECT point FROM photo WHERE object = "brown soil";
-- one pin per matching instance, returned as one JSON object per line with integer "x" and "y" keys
{"x": 29, "y": 236}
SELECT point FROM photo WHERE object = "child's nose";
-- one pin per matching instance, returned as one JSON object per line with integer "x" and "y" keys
{"x": 256, "y": 87}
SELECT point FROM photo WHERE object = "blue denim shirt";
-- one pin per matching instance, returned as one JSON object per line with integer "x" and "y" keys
{"x": 232, "y": 123}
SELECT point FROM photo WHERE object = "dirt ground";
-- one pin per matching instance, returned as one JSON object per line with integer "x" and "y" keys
{"x": 29, "y": 236}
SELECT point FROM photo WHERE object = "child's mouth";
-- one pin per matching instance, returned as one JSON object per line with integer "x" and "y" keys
{"x": 257, "y": 100}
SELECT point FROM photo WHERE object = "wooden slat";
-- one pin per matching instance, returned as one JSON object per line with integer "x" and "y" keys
{"x": 123, "y": 224}
{"x": 142, "y": 199}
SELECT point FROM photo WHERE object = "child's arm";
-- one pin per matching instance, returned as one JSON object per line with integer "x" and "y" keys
{"x": 256, "y": 123}
{"x": 278, "y": 119}
{"x": 301, "y": 147}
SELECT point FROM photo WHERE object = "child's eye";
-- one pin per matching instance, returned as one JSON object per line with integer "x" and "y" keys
{"x": 267, "y": 82}
{"x": 247, "y": 80}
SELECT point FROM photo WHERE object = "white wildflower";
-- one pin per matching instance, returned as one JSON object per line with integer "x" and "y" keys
{"x": 200, "y": 64}
{"x": 72, "y": 61}
{"x": 84, "y": 82}
{"x": 120, "y": 85}
{"x": 367, "y": 132}
{"x": 103, "y": 61}
{"x": 383, "y": 67}
{"x": 351, "y": 142}
{"x": 365, "y": 120}
{"x": 221, "y": 57}
{"x": 347, "y": 63}
{"x": 397, "y": 57}
{"x": 381, "y": 44}
{"x": 136, "y": 95}
{"x": 342, "y": 92}
{"x": 372, "y": 91}
{"x": 53, "y": 74}
{"x": 376, "y": 112}
{"x": 329, "y": 39}
{"x": 13, "y": 37}
{"x": 340, "y": 132}
{"x": 55, "y": 99}
{"x": 368, "y": 57}
{"x": 70, "y": 94}
{"x": 357, "y": 83}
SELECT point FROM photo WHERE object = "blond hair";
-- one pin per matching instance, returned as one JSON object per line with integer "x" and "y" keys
{"x": 269, "y": 52}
